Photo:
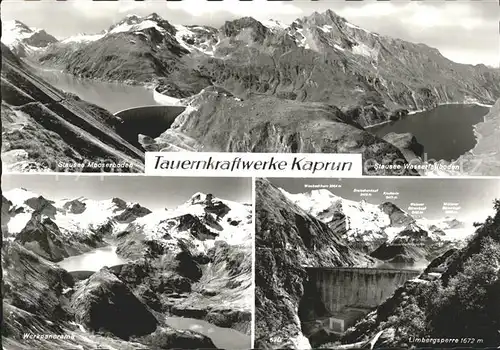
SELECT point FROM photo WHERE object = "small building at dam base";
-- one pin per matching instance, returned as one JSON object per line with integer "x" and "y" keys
{"x": 336, "y": 298}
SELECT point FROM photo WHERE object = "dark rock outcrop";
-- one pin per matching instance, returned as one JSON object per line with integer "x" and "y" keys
{"x": 398, "y": 217}
{"x": 132, "y": 213}
{"x": 407, "y": 143}
{"x": 6, "y": 215}
{"x": 40, "y": 39}
{"x": 43, "y": 237}
{"x": 42, "y": 206}
{"x": 75, "y": 206}
{"x": 198, "y": 228}
{"x": 120, "y": 203}
{"x": 104, "y": 303}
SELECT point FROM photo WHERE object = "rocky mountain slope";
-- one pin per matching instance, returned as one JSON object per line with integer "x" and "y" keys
{"x": 376, "y": 77}
{"x": 46, "y": 129}
{"x": 269, "y": 124}
{"x": 193, "y": 261}
{"x": 455, "y": 298}
{"x": 287, "y": 240}
{"x": 134, "y": 50}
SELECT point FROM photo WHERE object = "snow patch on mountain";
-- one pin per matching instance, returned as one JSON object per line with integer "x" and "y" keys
{"x": 362, "y": 219}
{"x": 197, "y": 38}
{"x": 97, "y": 213}
{"x": 338, "y": 47}
{"x": 367, "y": 222}
{"x": 326, "y": 28}
{"x": 274, "y": 24}
{"x": 23, "y": 40}
{"x": 302, "y": 40}
{"x": 448, "y": 229}
{"x": 146, "y": 24}
{"x": 364, "y": 50}
{"x": 19, "y": 195}
{"x": 83, "y": 38}
{"x": 14, "y": 31}
{"x": 234, "y": 227}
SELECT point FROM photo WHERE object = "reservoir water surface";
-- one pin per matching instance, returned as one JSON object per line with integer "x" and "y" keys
{"x": 223, "y": 338}
{"x": 113, "y": 97}
{"x": 93, "y": 260}
{"x": 446, "y": 132}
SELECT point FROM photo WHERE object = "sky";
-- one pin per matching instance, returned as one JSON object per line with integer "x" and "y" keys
{"x": 465, "y": 31}
{"x": 151, "y": 192}
{"x": 474, "y": 196}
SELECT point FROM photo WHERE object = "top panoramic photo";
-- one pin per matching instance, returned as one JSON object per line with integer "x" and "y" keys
{"x": 91, "y": 86}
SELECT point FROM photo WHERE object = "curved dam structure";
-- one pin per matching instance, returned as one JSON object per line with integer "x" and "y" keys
{"x": 357, "y": 287}
{"x": 147, "y": 120}
{"x": 335, "y": 298}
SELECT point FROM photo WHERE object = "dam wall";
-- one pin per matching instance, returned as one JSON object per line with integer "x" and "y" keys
{"x": 165, "y": 99}
{"x": 151, "y": 121}
{"x": 365, "y": 288}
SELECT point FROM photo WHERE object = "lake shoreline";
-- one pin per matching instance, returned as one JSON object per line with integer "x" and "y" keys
{"x": 222, "y": 337}
{"x": 446, "y": 132}
{"x": 429, "y": 109}
{"x": 112, "y": 96}
{"x": 93, "y": 260}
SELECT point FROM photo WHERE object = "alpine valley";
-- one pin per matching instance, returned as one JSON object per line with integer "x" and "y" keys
{"x": 314, "y": 85}
{"x": 86, "y": 274}
{"x": 341, "y": 274}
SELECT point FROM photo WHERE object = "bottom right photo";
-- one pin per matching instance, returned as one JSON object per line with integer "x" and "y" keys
{"x": 377, "y": 263}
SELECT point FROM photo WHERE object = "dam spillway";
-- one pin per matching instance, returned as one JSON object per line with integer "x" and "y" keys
{"x": 335, "y": 298}
{"x": 151, "y": 121}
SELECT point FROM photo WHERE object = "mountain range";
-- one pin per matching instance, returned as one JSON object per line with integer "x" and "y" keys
{"x": 374, "y": 74}
{"x": 192, "y": 261}
{"x": 270, "y": 85}
{"x": 384, "y": 231}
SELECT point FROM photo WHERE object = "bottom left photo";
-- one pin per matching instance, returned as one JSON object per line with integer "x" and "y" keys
{"x": 126, "y": 262}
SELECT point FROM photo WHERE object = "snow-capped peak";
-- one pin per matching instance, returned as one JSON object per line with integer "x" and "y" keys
{"x": 15, "y": 30}
{"x": 274, "y": 24}
{"x": 19, "y": 195}
{"x": 201, "y": 220}
{"x": 366, "y": 221}
{"x": 134, "y": 23}
{"x": 22, "y": 39}
{"x": 198, "y": 198}
{"x": 197, "y": 38}
{"x": 136, "y": 27}
{"x": 448, "y": 228}
{"x": 363, "y": 220}
{"x": 83, "y": 38}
